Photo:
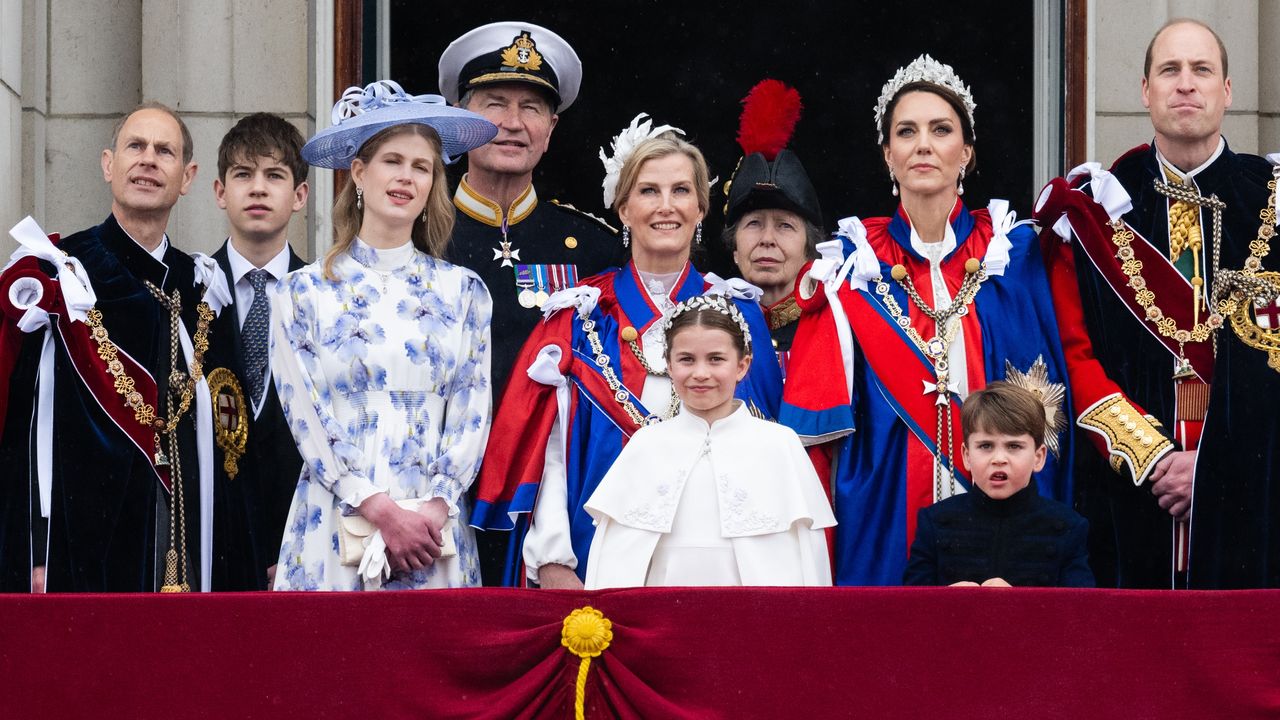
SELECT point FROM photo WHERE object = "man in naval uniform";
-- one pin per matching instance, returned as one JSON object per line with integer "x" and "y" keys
{"x": 519, "y": 76}
{"x": 1166, "y": 298}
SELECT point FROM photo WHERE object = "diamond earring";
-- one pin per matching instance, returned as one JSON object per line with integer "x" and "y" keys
{"x": 894, "y": 181}
{"x": 359, "y": 198}
{"x": 626, "y": 236}
{"x": 960, "y": 183}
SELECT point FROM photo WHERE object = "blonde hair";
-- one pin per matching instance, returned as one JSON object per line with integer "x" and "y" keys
{"x": 668, "y": 143}
{"x": 431, "y": 237}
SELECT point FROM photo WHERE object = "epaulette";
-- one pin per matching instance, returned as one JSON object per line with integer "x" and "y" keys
{"x": 584, "y": 213}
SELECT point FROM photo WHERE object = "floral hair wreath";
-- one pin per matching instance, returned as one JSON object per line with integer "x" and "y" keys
{"x": 718, "y": 303}
{"x": 922, "y": 69}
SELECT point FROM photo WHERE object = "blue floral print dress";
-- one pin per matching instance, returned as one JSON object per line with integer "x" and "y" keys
{"x": 384, "y": 378}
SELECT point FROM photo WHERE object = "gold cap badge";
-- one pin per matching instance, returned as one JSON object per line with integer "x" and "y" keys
{"x": 522, "y": 53}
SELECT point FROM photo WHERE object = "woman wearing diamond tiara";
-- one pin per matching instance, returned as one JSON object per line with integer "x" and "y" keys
{"x": 381, "y": 357}
{"x": 904, "y": 317}
{"x": 595, "y": 370}
{"x": 714, "y": 496}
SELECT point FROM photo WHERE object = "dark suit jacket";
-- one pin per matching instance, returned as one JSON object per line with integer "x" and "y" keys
{"x": 250, "y": 509}
{"x": 1027, "y": 539}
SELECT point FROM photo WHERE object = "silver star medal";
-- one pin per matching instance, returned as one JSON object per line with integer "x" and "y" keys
{"x": 1051, "y": 394}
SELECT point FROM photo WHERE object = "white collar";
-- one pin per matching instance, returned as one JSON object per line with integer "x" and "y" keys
{"x": 158, "y": 252}
{"x": 277, "y": 266}
{"x": 1189, "y": 174}
{"x": 929, "y": 251}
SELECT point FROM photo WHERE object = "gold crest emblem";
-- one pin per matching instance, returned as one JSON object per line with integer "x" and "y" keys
{"x": 522, "y": 53}
{"x": 230, "y": 418}
{"x": 1257, "y": 322}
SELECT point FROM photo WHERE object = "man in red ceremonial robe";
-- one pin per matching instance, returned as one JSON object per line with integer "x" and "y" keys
{"x": 94, "y": 329}
{"x": 1164, "y": 322}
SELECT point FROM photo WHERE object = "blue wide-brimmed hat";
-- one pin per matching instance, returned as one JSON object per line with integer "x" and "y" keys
{"x": 361, "y": 113}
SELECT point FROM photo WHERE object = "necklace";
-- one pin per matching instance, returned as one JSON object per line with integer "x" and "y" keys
{"x": 1145, "y": 297}
{"x": 621, "y": 395}
{"x": 937, "y": 349}
{"x": 180, "y": 390}
{"x": 674, "y": 406}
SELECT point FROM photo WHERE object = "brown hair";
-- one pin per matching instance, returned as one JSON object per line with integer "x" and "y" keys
{"x": 707, "y": 318}
{"x": 188, "y": 148}
{"x": 1005, "y": 409}
{"x": 1222, "y": 47}
{"x": 952, "y": 99}
{"x": 668, "y": 143}
{"x": 263, "y": 135}
{"x": 431, "y": 237}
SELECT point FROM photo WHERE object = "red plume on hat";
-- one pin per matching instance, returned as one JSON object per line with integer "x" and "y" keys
{"x": 769, "y": 175}
{"x": 769, "y": 116}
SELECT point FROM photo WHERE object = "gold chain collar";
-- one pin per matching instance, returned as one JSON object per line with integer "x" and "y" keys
{"x": 937, "y": 348}
{"x": 1230, "y": 287}
{"x": 1234, "y": 291}
{"x": 180, "y": 384}
{"x": 620, "y": 394}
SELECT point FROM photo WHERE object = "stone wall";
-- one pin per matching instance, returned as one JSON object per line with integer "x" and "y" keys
{"x": 1122, "y": 28}
{"x": 69, "y": 68}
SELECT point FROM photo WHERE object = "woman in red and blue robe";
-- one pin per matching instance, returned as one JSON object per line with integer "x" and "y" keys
{"x": 593, "y": 372}
{"x": 901, "y": 319}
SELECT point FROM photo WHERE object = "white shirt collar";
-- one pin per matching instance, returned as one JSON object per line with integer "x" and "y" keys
{"x": 158, "y": 252}
{"x": 278, "y": 266}
{"x": 1189, "y": 174}
{"x": 936, "y": 251}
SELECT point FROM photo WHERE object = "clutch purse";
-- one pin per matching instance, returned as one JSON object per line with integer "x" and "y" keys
{"x": 355, "y": 530}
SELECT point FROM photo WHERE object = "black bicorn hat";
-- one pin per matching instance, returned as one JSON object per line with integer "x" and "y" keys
{"x": 769, "y": 176}
{"x": 518, "y": 52}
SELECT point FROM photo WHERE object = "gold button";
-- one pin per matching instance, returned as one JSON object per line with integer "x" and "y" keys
{"x": 972, "y": 266}
{"x": 629, "y": 333}
{"x": 898, "y": 272}
{"x": 571, "y": 242}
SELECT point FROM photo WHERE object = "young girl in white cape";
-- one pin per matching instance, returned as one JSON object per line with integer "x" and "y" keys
{"x": 715, "y": 495}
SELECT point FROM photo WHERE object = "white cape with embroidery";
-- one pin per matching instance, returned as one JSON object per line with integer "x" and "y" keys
{"x": 685, "y": 503}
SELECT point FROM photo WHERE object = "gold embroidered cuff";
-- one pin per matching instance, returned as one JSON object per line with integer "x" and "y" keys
{"x": 1133, "y": 440}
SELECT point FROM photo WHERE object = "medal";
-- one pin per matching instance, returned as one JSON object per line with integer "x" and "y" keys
{"x": 504, "y": 251}
{"x": 524, "y": 281}
{"x": 554, "y": 281}
{"x": 540, "y": 282}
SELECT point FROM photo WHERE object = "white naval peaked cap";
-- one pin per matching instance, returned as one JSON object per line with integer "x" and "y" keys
{"x": 511, "y": 51}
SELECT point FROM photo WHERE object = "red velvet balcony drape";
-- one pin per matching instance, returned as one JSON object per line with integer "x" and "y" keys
{"x": 697, "y": 653}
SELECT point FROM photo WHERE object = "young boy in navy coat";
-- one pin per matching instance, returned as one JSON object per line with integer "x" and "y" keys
{"x": 1001, "y": 532}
